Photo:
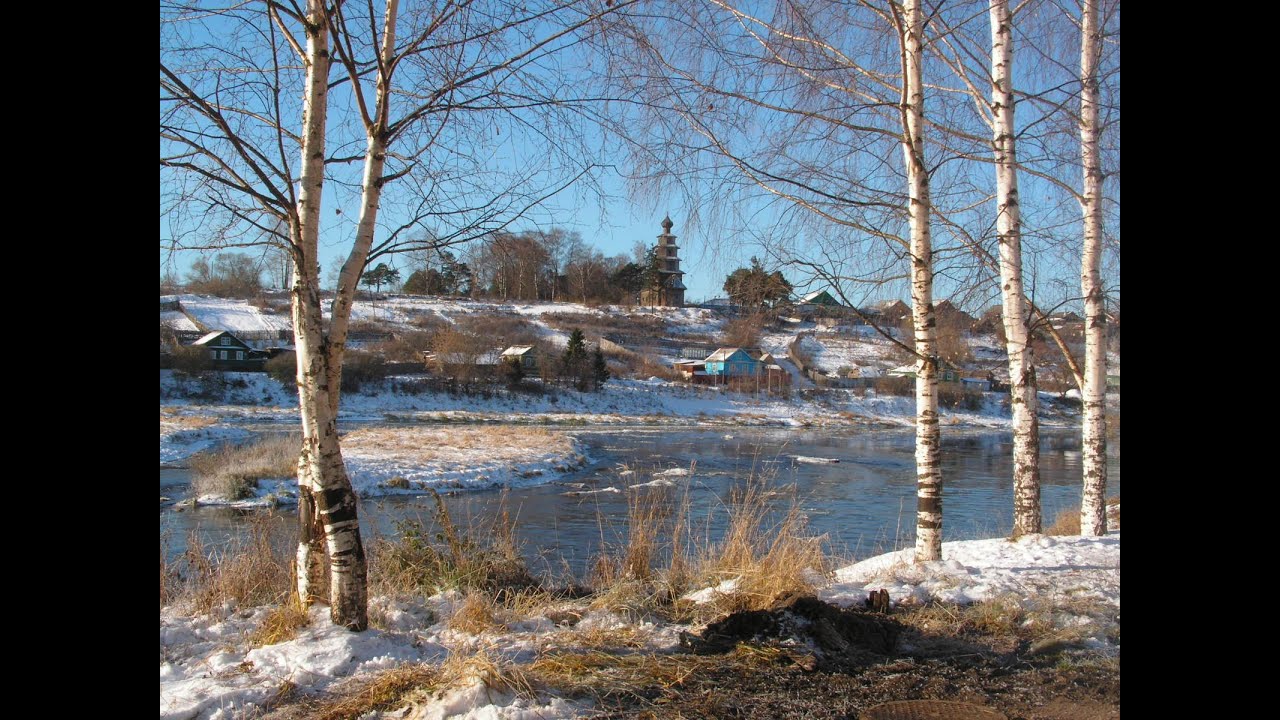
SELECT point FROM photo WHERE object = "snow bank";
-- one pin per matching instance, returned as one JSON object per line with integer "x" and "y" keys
{"x": 1035, "y": 566}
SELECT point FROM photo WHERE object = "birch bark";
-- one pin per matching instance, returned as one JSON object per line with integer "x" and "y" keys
{"x": 1022, "y": 374}
{"x": 1093, "y": 516}
{"x": 928, "y": 467}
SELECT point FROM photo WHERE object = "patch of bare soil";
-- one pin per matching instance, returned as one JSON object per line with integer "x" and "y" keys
{"x": 838, "y": 663}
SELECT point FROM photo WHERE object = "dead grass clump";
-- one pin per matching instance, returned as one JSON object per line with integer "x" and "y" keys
{"x": 251, "y": 570}
{"x": 386, "y": 691}
{"x": 1068, "y": 521}
{"x": 1003, "y": 617}
{"x": 470, "y": 665}
{"x": 644, "y": 678}
{"x": 234, "y": 471}
{"x": 422, "y": 561}
{"x": 773, "y": 559}
{"x": 766, "y": 553}
{"x": 281, "y": 624}
{"x": 475, "y": 614}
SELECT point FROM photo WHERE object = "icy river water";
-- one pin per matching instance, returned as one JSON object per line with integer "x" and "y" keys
{"x": 865, "y": 502}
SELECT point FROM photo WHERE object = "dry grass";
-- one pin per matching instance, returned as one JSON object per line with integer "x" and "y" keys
{"x": 253, "y": 569}
{"x": 281, "y": 624}
{"x": 422, "y": 560}
{"x": 611, "y": 679}
{"x": 172, "y": 421}
{"x": 766, "y": 549}
{"x": 233, "y": 472}
{"x": 1003, "y": 616}
{"x": 1009, "y": 622}
{"x": 387, "y": 691}
{"x": 475, "y": 614}
{"x": 1068, "y": 521}
{"x": 415, "y": 446}
{"x": 483, "y": 664}
{"x": 772, "y": 556}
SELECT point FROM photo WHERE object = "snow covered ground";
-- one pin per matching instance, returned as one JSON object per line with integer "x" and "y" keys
{"x": 208, "y": 668}
{"x": 250, "y": 397}
{"x": 216, "y": 313}
{"x": 410, "y": 460}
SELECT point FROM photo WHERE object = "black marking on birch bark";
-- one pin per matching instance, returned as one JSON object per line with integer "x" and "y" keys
{"x": 928, "y": 504}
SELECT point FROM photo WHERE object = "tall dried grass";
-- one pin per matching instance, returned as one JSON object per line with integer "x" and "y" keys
{"x": 250, "y": 570}
{"x": 766, "y": 551}
{"x": 422, "y": 560}
{"x": 234, "y": 471}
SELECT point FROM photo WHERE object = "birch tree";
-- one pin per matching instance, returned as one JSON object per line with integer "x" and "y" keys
{"x": 1022, "y": 378}
{"x": 1086, "y": 147}
{"x": 242, "y": 157}
{"x": 1093, "y": 511}
{"x": 800, "y": 107}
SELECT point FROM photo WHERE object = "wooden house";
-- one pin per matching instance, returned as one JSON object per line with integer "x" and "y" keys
{"x": 229, "y": 352}
{"x": 522, "y": 354}
{"x": 946, "y": 372}
{"x": 734, "y": 362}
{"x": 821, "y": 297}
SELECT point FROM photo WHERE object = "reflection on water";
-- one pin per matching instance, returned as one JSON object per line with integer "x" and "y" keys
{"x": 865, "y": 503}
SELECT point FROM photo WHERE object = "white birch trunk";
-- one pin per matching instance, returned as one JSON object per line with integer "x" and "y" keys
{"x": 371, "y": 196}
{"x": 325, "y": 495}
{"x": 928, "y": 467}
{"x": 1093, "y": 515}
{"x": 1022, "y": 374}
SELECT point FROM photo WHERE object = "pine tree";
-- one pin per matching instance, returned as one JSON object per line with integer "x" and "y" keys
{"x": 600, "y": 369}
{"x": 574, "y": 360}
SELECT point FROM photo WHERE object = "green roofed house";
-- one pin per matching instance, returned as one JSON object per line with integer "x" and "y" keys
{"x": 229, "y": 352}
{"x": 820, "y": 297}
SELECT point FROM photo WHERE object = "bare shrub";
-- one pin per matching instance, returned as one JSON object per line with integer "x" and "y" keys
{"x": 283, "y": 368}
{"x": 743, "y": 331}
{"x": 955, "y": 397}
{"x": 895, "y": 385}
{"x": 405, "y": 346}
{"x": 191, "y": 359}
{"x": 499, "y": 330}
{"x": 614, "y": 323}
{"x": 360, "y": 367}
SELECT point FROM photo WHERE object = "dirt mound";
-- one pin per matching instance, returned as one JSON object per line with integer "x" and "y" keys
{"x": 836, "y": 635}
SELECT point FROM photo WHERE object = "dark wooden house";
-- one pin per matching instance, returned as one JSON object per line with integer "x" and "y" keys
{"x": 229, "y": 352}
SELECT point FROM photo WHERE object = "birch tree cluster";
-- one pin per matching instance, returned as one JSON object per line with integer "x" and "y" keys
{"x": 868, "y": 145}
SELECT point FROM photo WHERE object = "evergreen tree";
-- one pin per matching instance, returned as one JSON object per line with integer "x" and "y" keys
{"x": 574, "y": 361}
{"x": 379, "y": 276}
{"x": 600, "y": 369}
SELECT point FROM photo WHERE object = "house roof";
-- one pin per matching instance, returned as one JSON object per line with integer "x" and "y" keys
{"x": 217, "y": 334}
{"x": 816, "y": 294}
{"x": 516, "y": 350}
{"x": 725, "y": 353}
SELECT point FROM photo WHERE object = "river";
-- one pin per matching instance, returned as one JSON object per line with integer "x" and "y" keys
{"x": 865, "y": 503}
